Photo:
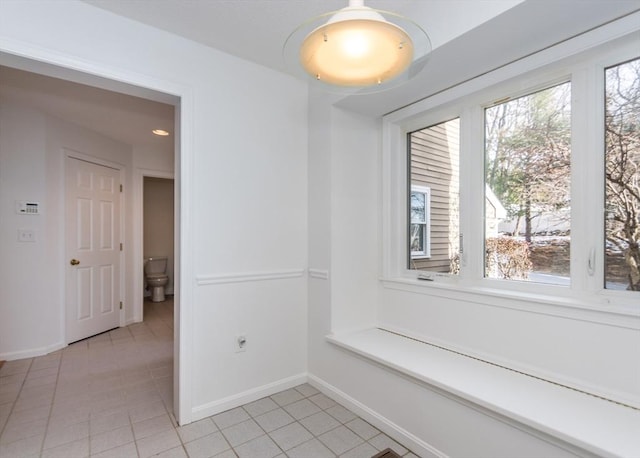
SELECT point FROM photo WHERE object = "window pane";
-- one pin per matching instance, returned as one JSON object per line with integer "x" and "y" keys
{"x": 527, "y": 195}
{"x": 418, "y": 209}
{"x": 417, "y": 239}
{"x": 622, "y": 180}
{"x": 433, "y": 163}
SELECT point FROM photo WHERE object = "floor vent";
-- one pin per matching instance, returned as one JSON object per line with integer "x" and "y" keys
{"x": 386, "y": 453}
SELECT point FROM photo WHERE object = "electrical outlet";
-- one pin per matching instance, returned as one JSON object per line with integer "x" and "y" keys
{"x": 241, "y": 343}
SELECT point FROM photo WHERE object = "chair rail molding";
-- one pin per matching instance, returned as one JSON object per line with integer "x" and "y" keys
{"x": 319, "y": 274}
{"x": 218, "y": 279}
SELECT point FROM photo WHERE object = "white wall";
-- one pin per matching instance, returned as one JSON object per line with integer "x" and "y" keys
{"x": 26, "y": 317}
{"x": 152, "y": 160}
{"x": 32, "y": 153}
{"x": 343, "y": 225}
{"x": 243, "y": 200}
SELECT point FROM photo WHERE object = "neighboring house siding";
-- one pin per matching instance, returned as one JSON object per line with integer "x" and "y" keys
{"x": 434, "y": 164}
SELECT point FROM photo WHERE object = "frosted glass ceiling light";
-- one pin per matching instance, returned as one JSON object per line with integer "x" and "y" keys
{"x": 357, "y": 49}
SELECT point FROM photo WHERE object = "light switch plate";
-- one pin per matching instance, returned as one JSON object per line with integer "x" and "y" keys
{"x": 26, "y": 235}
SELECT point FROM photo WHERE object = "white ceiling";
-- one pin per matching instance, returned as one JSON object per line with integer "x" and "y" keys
{"x": 123, "y": 117}
{"x": 469, "y": 37}
{"x": 255, "y": 30}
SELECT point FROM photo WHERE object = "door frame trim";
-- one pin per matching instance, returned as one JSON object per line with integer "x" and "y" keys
{"x": 138, "y": 236}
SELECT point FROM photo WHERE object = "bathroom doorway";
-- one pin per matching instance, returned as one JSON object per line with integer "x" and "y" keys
{"x": 158, "y": 225}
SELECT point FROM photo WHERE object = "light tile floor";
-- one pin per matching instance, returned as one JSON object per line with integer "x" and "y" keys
{"x": 112, "y": 396}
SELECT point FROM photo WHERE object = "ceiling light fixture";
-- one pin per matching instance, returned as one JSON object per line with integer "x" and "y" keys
{"x": 160, "y": 132}
{"x": 357, "y": 49}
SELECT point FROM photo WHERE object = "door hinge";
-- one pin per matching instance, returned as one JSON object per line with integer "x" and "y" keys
{"x": 120, "y": 305}
{"x": 120, "y": 246}
{"x": 120, "y": 188}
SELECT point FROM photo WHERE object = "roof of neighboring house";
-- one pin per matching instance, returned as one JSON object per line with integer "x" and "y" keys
{"x": 501, "y": 212}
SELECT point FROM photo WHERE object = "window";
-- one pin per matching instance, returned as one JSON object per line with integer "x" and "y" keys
{"x": 419, "y": 228}
{"x": 622, "y": 176}
{"x": 522, "y": 183}
{"x": 527, "y": 191}
{"x": 434, "y": 197}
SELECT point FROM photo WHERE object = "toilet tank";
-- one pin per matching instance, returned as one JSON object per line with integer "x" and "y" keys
{"x": 155, "y": 265}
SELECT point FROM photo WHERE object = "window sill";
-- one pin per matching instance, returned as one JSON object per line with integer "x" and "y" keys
{"x": 589, "y": 423}
{"x": 597, "y": 308}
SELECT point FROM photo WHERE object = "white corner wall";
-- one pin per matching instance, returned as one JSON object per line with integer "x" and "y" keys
{"x": 243, "y": 197}
{"x": 343, "y": 225}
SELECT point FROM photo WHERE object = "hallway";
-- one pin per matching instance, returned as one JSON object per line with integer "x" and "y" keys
{"x": 112, "y": 396}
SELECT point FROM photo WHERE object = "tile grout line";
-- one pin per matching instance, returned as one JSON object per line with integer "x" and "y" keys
{"x": 15, "y": 401}
{"x": 259, "y": 426}
{"x": 55, "y": 389}
{"x": 299, "y": 422}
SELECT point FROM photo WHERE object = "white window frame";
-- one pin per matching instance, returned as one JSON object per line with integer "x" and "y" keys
{"x": 426, "y": 243}
{"x": 581, "y": 61}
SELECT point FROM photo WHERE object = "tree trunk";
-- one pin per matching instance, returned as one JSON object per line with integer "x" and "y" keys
{"x": 632, "y": 259}
{"x": 516, "y": 229}
{"x": 527, "y": 215}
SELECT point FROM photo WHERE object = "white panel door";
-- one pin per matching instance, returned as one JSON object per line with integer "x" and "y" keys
{"x": 92, "y": 248}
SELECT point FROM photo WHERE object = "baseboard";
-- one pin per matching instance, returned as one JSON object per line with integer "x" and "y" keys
{"x": 32, "y": 352}
{"x": 402, "y": 436}
{"x": 231, "y": 402}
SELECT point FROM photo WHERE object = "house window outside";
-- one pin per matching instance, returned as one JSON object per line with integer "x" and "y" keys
{"x": 434, "y": 198}
{"x": 420, "y": 227}
{"x": 622, "y": 176}
{"x": 527, "y": 176}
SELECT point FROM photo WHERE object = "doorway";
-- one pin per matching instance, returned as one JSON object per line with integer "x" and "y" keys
{"x": 158, "y": 227}
{"x": 133, "y": 265}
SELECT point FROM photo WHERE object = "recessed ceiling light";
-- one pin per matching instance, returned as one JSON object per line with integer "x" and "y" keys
{"x": 160, "y": 132}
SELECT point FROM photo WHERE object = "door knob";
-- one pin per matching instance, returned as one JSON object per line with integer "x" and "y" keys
{"x": 74, "y": 262}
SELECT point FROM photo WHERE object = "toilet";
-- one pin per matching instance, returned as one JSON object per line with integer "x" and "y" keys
{"x": 155, "y": 272}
